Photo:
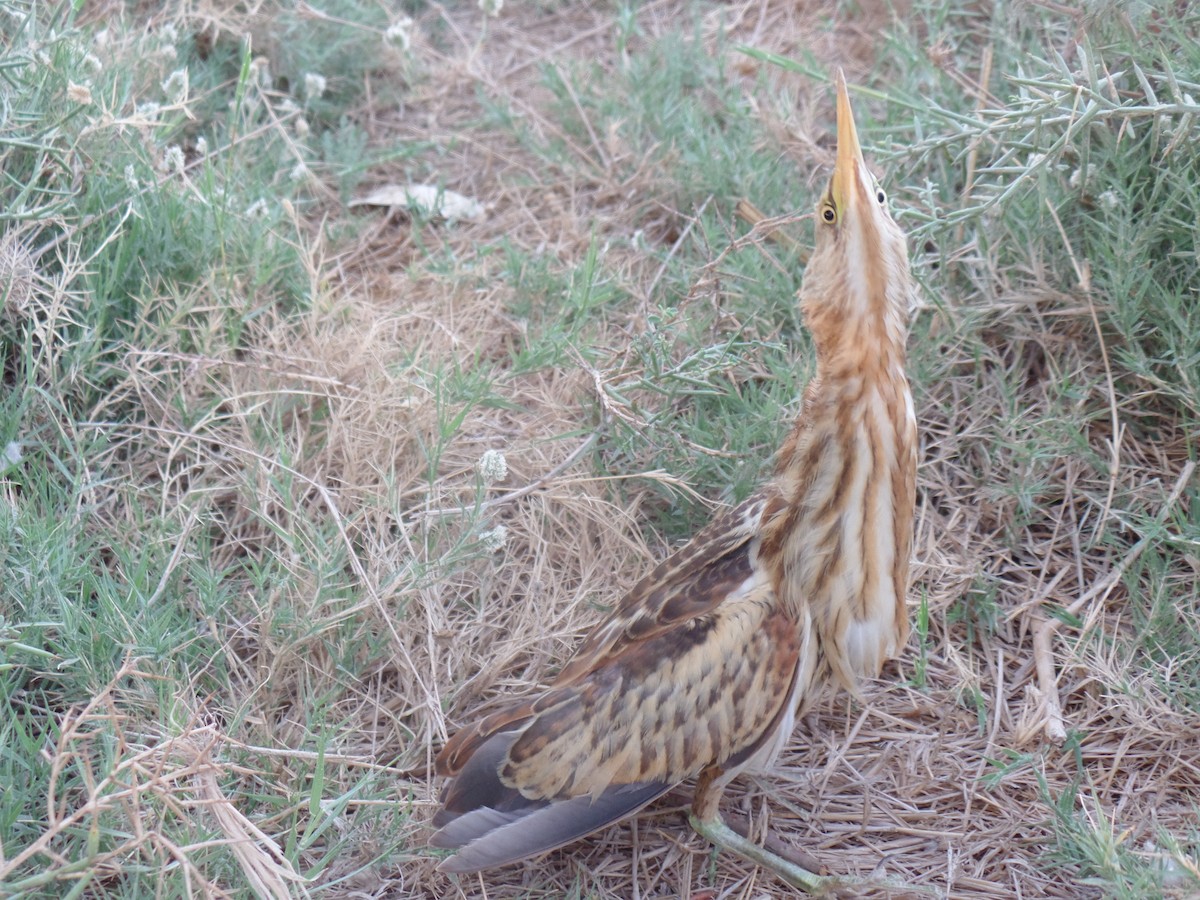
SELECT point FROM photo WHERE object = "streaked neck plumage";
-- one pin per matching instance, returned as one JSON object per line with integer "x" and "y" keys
{"x": 846, "y": 474}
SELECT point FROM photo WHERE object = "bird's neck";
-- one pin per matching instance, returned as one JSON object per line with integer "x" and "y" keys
{"x": 859, "y": 336}
{"x": 839, "y": 541}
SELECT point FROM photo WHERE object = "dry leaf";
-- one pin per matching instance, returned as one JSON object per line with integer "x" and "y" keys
{"x": 428, "y": 199}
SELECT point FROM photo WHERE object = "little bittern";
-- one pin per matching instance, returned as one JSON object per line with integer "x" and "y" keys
{"x": 703, "y": 667}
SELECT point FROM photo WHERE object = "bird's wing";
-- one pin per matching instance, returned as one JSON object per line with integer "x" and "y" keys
{"x": 691, "y": 582}
{"x": 709, "y": 691}
{"x": 697, "y": 666}
{"x": 493, "y": 837}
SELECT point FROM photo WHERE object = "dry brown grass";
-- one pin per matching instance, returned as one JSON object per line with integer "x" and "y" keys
{"x": 148, "y": 779}
{"x": 899, "y": 784}
{"x": 896, "y": 786}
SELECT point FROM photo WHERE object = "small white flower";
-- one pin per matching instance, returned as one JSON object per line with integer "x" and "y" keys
{"x": 147, "y": 110}
{"x": 301, "y": 126}
{"x": 260, "y": 71}
{"x": 493, "y": 539}
{"x": 101, "y": 38}
{"x": 169, "y": 33}
{"x": 131, "y": 179}
{"x": 43, "y": 58}
{"x": 299, "y": 172}
{"x": 12, "y": 455}
{"x": 176, "y": 86}
{"x": 491, "y": 7}
{"x": 1081, "y": 175}
{"x": 92, "y": 61}
{"x": 167, "y": 52}
{"x": 493, "y": 466}
{"x": 1109, "y": 200}
{"x": 257, "y": 210}
{"x": 79, "y": 93}
{"x": 399, "y": 33}
{"x": 172, "y": 160}
{"x": 202, "y": 146}
{"x": 314, "y": 85}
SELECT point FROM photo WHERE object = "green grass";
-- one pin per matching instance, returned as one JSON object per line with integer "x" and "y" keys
{"x": 237, "y": 559}
{"x": 705, "y": 383}
{"x": 155, "y": 225}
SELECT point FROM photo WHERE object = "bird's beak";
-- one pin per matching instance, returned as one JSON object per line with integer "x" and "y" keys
{"x": 849, "y": 155}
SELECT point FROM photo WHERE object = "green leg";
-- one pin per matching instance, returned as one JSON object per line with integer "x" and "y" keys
{"x": 797, "y": 876}
{"x": 726, "y": 838}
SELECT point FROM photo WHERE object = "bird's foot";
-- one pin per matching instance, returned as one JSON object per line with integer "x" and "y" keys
{"x": 724, "y": 837}
{"x": 716, "y": 831}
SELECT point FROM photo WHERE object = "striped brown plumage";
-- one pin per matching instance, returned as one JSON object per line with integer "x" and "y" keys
{"x": 703, "y": 666}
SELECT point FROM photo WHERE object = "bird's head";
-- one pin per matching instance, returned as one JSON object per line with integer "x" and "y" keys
{"x": 857, "y": 285}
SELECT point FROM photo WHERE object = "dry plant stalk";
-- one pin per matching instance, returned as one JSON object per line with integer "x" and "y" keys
{"x": 1043, "y": 636}
{"x": 177, "y": 774}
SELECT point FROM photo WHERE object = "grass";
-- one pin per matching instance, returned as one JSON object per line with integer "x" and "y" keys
{"x": 252, "y": 572}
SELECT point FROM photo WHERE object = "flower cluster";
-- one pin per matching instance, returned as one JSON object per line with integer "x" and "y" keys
{"x": 493, "y": 466}
{"x": 493, "y": 539}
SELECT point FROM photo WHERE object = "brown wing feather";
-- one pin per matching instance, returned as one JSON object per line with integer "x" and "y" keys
{"x": 710, "y": 692}
{"x": 689, "y": 583}
{"x": 696, "y": 667}
{"x": 459, "y": 749}
{"x": 666, "y": 707}
{"x": 692, "y": 581}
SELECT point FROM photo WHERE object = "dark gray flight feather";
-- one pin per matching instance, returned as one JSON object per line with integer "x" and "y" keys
{"x": 495, "y": 824}
{"x": 491, "y": 837}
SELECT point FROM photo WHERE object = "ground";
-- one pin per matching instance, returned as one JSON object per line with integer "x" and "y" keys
{"x": 315, "y": 581}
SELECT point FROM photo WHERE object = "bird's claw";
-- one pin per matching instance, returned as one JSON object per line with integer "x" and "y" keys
{"x": 827, "y": 886}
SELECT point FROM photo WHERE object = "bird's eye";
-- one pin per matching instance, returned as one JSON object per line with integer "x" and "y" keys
{"x": 880, "y": 196}
{"x": 829, "y": 215}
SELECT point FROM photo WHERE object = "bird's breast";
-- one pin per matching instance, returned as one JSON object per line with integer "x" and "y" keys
{"x": 842, "y": 542}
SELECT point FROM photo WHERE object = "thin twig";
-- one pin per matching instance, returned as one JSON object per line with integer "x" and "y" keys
{"x": 214, "y": 362}
{"x": 981, "y": 99}
{"x": 1043, "y": 647}
{"x": 692, "y": 220}
{"x": 1083, "y": 274}
{"x": 753, "y": 216}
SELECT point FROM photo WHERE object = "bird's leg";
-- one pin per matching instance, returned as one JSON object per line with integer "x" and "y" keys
{"x": 705, "y": 818}
{"x": 726, "y": 838}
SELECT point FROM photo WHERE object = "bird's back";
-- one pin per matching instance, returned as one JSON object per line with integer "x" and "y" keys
{"x": 698, "y": 665}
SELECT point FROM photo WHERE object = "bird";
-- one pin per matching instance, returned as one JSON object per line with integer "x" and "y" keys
{"x": 703, "y": 667}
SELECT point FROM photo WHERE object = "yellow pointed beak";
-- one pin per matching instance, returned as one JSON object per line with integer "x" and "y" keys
{"x": 849, "y": 154}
